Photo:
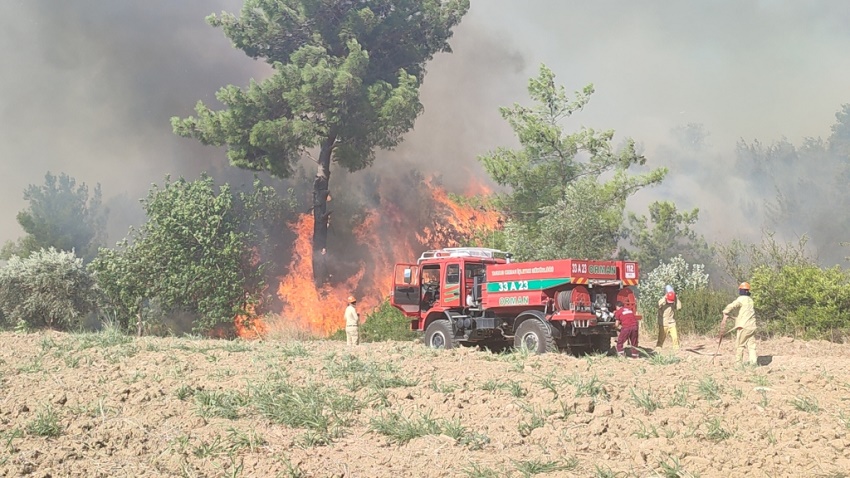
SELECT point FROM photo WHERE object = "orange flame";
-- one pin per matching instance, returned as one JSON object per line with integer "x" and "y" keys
{"x": 387, "y": 232}
{"x": 468, "y": 219}
{"x": 250, "y": 325}
{"x": 318, "y": 310}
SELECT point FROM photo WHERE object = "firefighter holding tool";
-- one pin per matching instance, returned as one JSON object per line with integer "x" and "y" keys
{"x": 745, "y": 324}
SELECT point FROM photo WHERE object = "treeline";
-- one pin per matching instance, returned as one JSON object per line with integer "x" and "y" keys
{"x": 340, "y": 90}
{"x": 566, "y": 197}
{"x": 201, "y": 256}
{"x": 793, "y": 294}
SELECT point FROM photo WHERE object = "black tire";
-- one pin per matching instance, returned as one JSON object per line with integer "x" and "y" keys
{"x": 439, "y": 335}
{"x": 535, "y": 336}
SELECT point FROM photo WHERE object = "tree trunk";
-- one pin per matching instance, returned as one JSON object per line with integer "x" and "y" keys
{"x": 321, "y": 215}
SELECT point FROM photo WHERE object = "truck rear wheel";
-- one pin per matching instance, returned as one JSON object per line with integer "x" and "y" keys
{"x": 439, "y": 335}
{"x": 534, "y": 336}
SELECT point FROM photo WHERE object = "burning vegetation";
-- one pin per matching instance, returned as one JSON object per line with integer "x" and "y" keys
{"x": 398, "y": 226}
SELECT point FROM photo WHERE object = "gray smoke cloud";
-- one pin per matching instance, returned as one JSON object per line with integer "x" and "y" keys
{"x": 88, "y": 88}
{"x": 690, "y": 82}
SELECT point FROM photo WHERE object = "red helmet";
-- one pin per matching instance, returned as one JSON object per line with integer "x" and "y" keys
{"x": 671, "y": 297}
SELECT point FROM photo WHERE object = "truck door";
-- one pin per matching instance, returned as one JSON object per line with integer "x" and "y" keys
{"x": 473, "y": 273}
{"x": 452, "y": 287}
{"x": 406, "y": 289}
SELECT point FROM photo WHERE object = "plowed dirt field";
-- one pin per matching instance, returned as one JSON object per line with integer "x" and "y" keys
{"x": 104, "y": 405}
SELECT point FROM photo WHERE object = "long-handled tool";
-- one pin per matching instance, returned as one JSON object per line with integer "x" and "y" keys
{"x": 720, "y": 337}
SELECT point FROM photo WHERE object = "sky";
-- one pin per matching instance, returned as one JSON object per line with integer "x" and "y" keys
{"x": 88, "y": 88}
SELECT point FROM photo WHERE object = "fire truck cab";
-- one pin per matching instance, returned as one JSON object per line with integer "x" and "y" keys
{"x": 478, "y": 296}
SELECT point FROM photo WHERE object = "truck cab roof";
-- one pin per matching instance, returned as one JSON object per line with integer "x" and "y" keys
{"x": 495, "y": 255}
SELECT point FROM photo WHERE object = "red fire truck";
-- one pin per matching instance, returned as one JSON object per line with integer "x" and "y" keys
{"x": 478, "y": 296}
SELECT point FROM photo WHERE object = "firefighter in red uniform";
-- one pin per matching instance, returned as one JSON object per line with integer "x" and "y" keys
{"x": 628, "y": 323}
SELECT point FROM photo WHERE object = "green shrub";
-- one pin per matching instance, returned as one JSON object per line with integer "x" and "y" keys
{"x": 338, "y": 335}
{"x": 386, "y": 323}
{"x": 701, "y": 312}
{"x": 792, "y": 294}
{"x": 198, "y": 254}
{"x": 802, "y": 300}
{"x": 49, "y": 288}
{"x": 382, "y": 324}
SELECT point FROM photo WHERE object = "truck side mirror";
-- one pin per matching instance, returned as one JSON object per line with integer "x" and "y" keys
{"x": 408, "y": 276}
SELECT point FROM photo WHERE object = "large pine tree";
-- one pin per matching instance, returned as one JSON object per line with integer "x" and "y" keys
{"x": 346, "y": 81}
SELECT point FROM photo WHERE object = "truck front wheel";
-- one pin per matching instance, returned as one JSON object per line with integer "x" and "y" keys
{"x": 534, "y": 336}
{"x": 439, "y": 335}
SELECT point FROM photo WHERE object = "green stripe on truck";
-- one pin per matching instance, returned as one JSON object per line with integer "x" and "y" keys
{"x": 519, "y": 285}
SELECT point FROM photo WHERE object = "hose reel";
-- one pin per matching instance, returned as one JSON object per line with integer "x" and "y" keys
{"x": 577, "y": 298}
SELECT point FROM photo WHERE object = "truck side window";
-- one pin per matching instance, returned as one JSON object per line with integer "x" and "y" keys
{"x": 406, "y": 275}
{"x": 431, "y": 275}
{"x": 430, "y": 286}
{"x": 453, "y": 274}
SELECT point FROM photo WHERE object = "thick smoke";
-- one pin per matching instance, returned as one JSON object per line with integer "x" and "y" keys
{"x": 89, "y": 86}
{"x": 88, "y": 89}
{"x": 695, "y": 84}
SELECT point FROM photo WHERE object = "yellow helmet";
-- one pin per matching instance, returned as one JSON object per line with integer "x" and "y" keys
{"x": 744, "y": 285}
{"x": 351, "y": 299}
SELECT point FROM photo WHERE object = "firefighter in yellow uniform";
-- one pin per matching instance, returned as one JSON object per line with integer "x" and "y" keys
{"x": 667, "y": 307}
{"x": 352, "y": 322}
{"x": 745, "y": 324}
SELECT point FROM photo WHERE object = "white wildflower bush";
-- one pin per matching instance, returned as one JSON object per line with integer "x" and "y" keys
{"x": 701, "y": 306}
{"x": 677, "y": 273}
{"x": 49, "y": 288}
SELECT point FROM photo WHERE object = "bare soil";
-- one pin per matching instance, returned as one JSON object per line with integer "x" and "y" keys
{"x": 102, "y": 405}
